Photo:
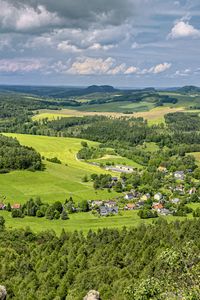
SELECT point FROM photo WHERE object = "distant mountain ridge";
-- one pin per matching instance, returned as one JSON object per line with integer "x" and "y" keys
{"x": 189, "y": 89}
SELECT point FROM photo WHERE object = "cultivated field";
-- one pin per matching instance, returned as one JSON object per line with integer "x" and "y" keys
{"x": 153, "y": 116}
{"x": 57, "y": 182}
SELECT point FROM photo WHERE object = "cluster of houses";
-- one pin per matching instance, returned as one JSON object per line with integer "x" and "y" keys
{"x": 105, "y": 208}
{"x": 121, "y": 169}
{"x": 14, "y": 206}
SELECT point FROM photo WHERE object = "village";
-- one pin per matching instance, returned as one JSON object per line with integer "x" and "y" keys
{"x": 170, "y": 200}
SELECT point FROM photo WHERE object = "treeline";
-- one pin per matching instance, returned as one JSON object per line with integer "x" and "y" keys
{"x": 159, "y": 261}
{"x": 13, "y": 156}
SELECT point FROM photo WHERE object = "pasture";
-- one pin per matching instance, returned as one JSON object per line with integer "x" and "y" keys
{"x": 58, "y": 181}
{"x": 80, "y": 221}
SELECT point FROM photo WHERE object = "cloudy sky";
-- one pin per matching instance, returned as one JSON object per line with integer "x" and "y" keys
{"x": 133, "y": 43}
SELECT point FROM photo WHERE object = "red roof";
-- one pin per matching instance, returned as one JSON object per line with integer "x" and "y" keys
{"x": 130, "y": 205}
{"x": 16, "y": 206}
{"x": 158, "y": 206}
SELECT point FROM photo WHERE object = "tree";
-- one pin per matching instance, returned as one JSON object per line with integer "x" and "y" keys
{"x": 17, "y": 213}
{"x": 85, "y": 178}
{"x": 8, "y": 207}
{"x": 39, "y": 214}
{"x": 58, "y": 206}
{"x": 84, "y": 206}
{"x": 64, "y": 215}
{"x": 2, "y": 223}
{"x": 50, "y": 213}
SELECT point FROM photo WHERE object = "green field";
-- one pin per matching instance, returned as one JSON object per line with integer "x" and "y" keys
{"x": 114, "y": 159}
{"x": 49, "y": 116}
{"x": 57, "y": 182}
{"x": 80, "y": 221}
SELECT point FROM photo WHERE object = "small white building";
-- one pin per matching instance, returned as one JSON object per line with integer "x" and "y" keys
{"x": 158, "y": 196}
{"x": 179, "y": 175}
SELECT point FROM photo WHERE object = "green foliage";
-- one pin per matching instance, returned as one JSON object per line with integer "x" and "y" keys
{"x": 54, "y": 160}
{"x": 2, "y": 223}
{"x": 148, "y": 262}
{"x": 147, "y": 213}
{"x": 17, "y": 213}
{"x": 13, "y": 156}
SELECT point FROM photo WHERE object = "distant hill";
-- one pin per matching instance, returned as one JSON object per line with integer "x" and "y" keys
{"x": 58, "y": 92}
{"x": 189, "y": 89}
{"x": 100, "y": 89}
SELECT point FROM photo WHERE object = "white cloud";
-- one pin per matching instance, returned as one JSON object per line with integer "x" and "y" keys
{"x": 89, "y": 66}
{"x": 159, "y": 68}
{"x": 67, "y": 47}
{"x": 131, "y": 70}
{"x": 98, "y": 46}
{"x": 25, "y": 18}
{"x": 183, "y": 73}
{"x": 183, "y": 29}
{"x": 109, "y": 66}
{"x": 20, "y": 65}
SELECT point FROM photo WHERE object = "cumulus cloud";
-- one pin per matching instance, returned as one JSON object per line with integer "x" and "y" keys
{"x": 159, "y": 68}
{"x": 20, "y": 65}
{"x": 67, "y": 47}
{"x": 183, "y": 29}
{"x": 89, "y": 66}
{"x": 24, "y": 18}
{"x": 109, "y": 66}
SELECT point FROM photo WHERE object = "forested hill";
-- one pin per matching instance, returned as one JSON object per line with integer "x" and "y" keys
{"x": 13, "y": 156}
{"x": 160, "y": 261}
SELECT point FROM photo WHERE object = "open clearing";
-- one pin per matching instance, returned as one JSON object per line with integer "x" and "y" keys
{"x": 114, "y": 159}
{"x": 156, "y": 115}
{"x": 50, "y": 116}
{"x": 57, "y": 182}
{"x": 153, "y": 116}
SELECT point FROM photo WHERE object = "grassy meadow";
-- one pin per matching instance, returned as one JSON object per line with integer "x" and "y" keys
{"x": 57, "y": 182}
{"x": 80, "y": 221}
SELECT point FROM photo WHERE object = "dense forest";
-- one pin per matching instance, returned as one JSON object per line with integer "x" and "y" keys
{"x": 13, "y": 156}
{"x": 159, "y": 261}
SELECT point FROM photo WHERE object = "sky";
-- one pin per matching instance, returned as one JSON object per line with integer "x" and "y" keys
{"x": 129, "y": 43}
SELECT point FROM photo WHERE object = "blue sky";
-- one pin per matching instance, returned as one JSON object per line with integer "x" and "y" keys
{"x": 133, "y": 43}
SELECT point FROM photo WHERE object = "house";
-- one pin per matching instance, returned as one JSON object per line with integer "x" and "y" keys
{"x": 179, "y": 175}
{"x": 157, "y": 206}
{"x": 96, "y": 203}
{"x": 175, "y": 200}
{"x": 162, "y": 169}
{"x": 16, "y": 206}
{"x": 129, "y": 196}
{"x": 130, "y": 206}
{"x": 158, "y": 196}
{"x": 125, "y": 169}
{"x": 110, "y": 204}
{"x": 164, "y": 211}
{"x": 140, "y": 204}
{"x": 145, "y": 197}
{"x": 105, "y": 211}
{"x": 2, "y": 206}
{"x": 179, "y": 189}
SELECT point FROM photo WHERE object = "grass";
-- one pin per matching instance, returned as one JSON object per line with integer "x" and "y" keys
{"x": 57, "y": 182}
{"x": 156, "y": 115}
{"x": 149, "y": 147}
{"x": 115, "y": 159}
{"x": 197, "y": 156}
{"x": 80, "y": 221}
{"x": 49, "y": 116}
